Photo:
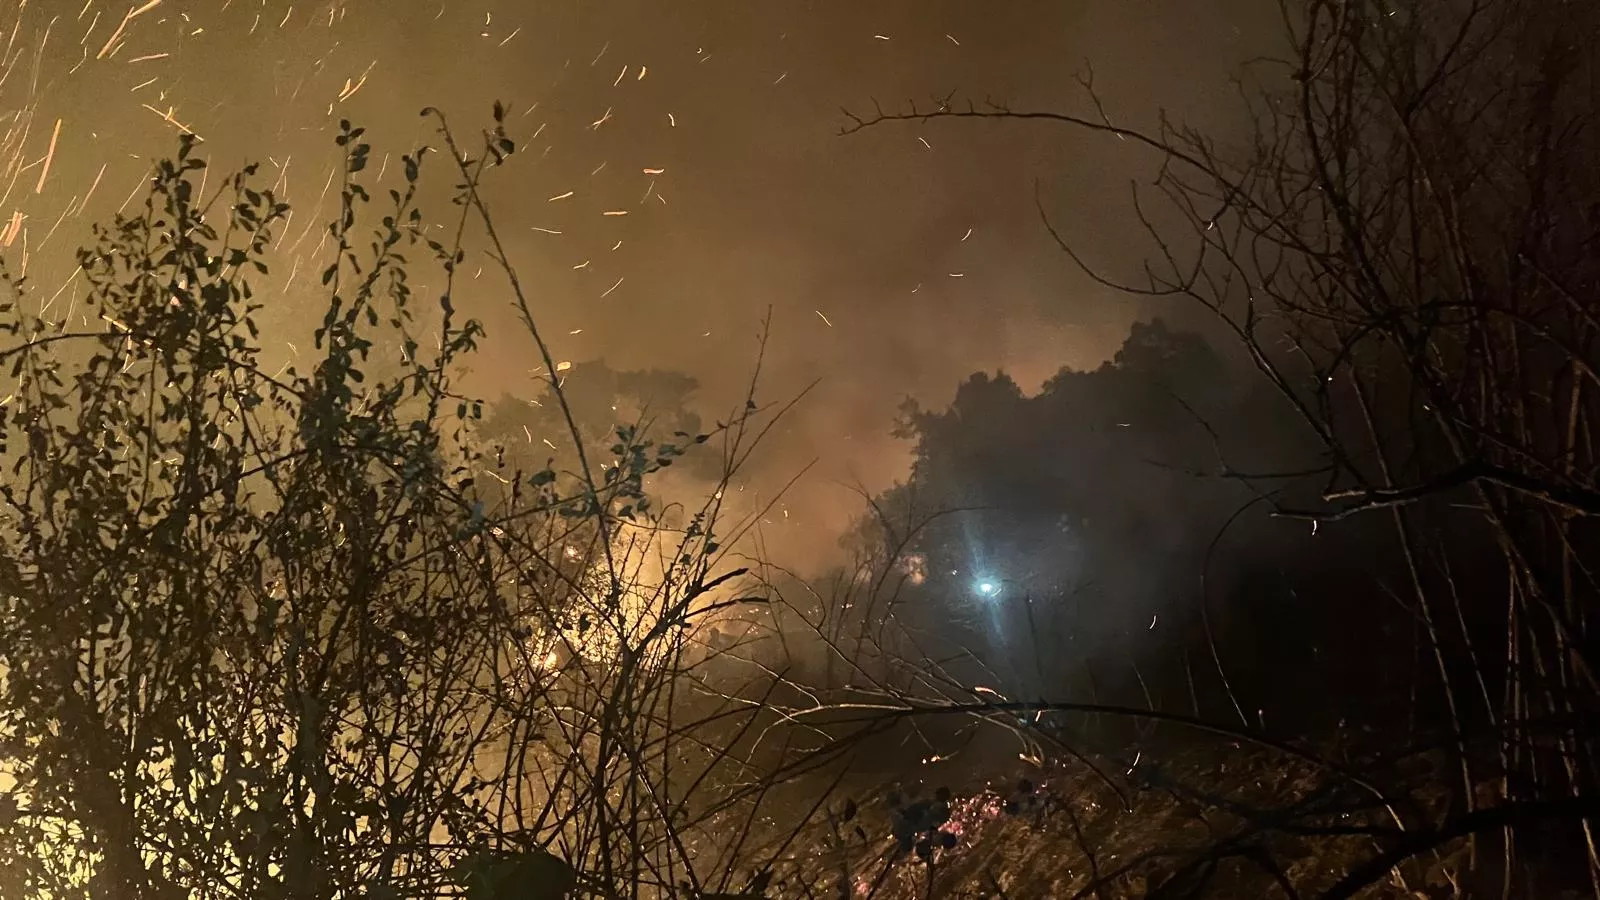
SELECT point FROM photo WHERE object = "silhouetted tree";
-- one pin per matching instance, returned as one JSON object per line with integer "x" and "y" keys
{"x": 602, "y": 400}
{"x": 1081, "y": 517}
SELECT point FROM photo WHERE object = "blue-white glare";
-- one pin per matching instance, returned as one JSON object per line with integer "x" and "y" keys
{"x": 988, "y": 588}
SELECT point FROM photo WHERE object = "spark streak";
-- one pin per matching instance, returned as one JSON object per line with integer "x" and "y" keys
{"x": 97, "y": 177}
{"x": 167, "y": 117}
{"x": 49, "y": 156}
{"x": 123, "y": 25}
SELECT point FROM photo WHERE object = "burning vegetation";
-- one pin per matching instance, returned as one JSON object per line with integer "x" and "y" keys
{"x": 1296, "y": 603}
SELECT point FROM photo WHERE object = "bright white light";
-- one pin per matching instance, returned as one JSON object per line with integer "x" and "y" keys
{"x": 988, "y": 588}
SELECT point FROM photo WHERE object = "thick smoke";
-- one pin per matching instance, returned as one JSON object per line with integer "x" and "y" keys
{"x": 891, "y": 263}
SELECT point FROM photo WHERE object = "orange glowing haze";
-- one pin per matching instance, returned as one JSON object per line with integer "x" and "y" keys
{"x": 679, "y": 176}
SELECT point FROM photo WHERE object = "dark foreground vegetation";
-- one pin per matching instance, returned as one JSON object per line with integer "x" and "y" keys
{"x": 1297, "y": 607}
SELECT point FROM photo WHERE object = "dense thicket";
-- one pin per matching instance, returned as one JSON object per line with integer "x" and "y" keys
{"x": 310, "y": 634}
{"x": 1402, "y": 245}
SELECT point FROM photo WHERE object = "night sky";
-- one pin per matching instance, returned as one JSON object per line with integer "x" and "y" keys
{"x": 895, "y": 261}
